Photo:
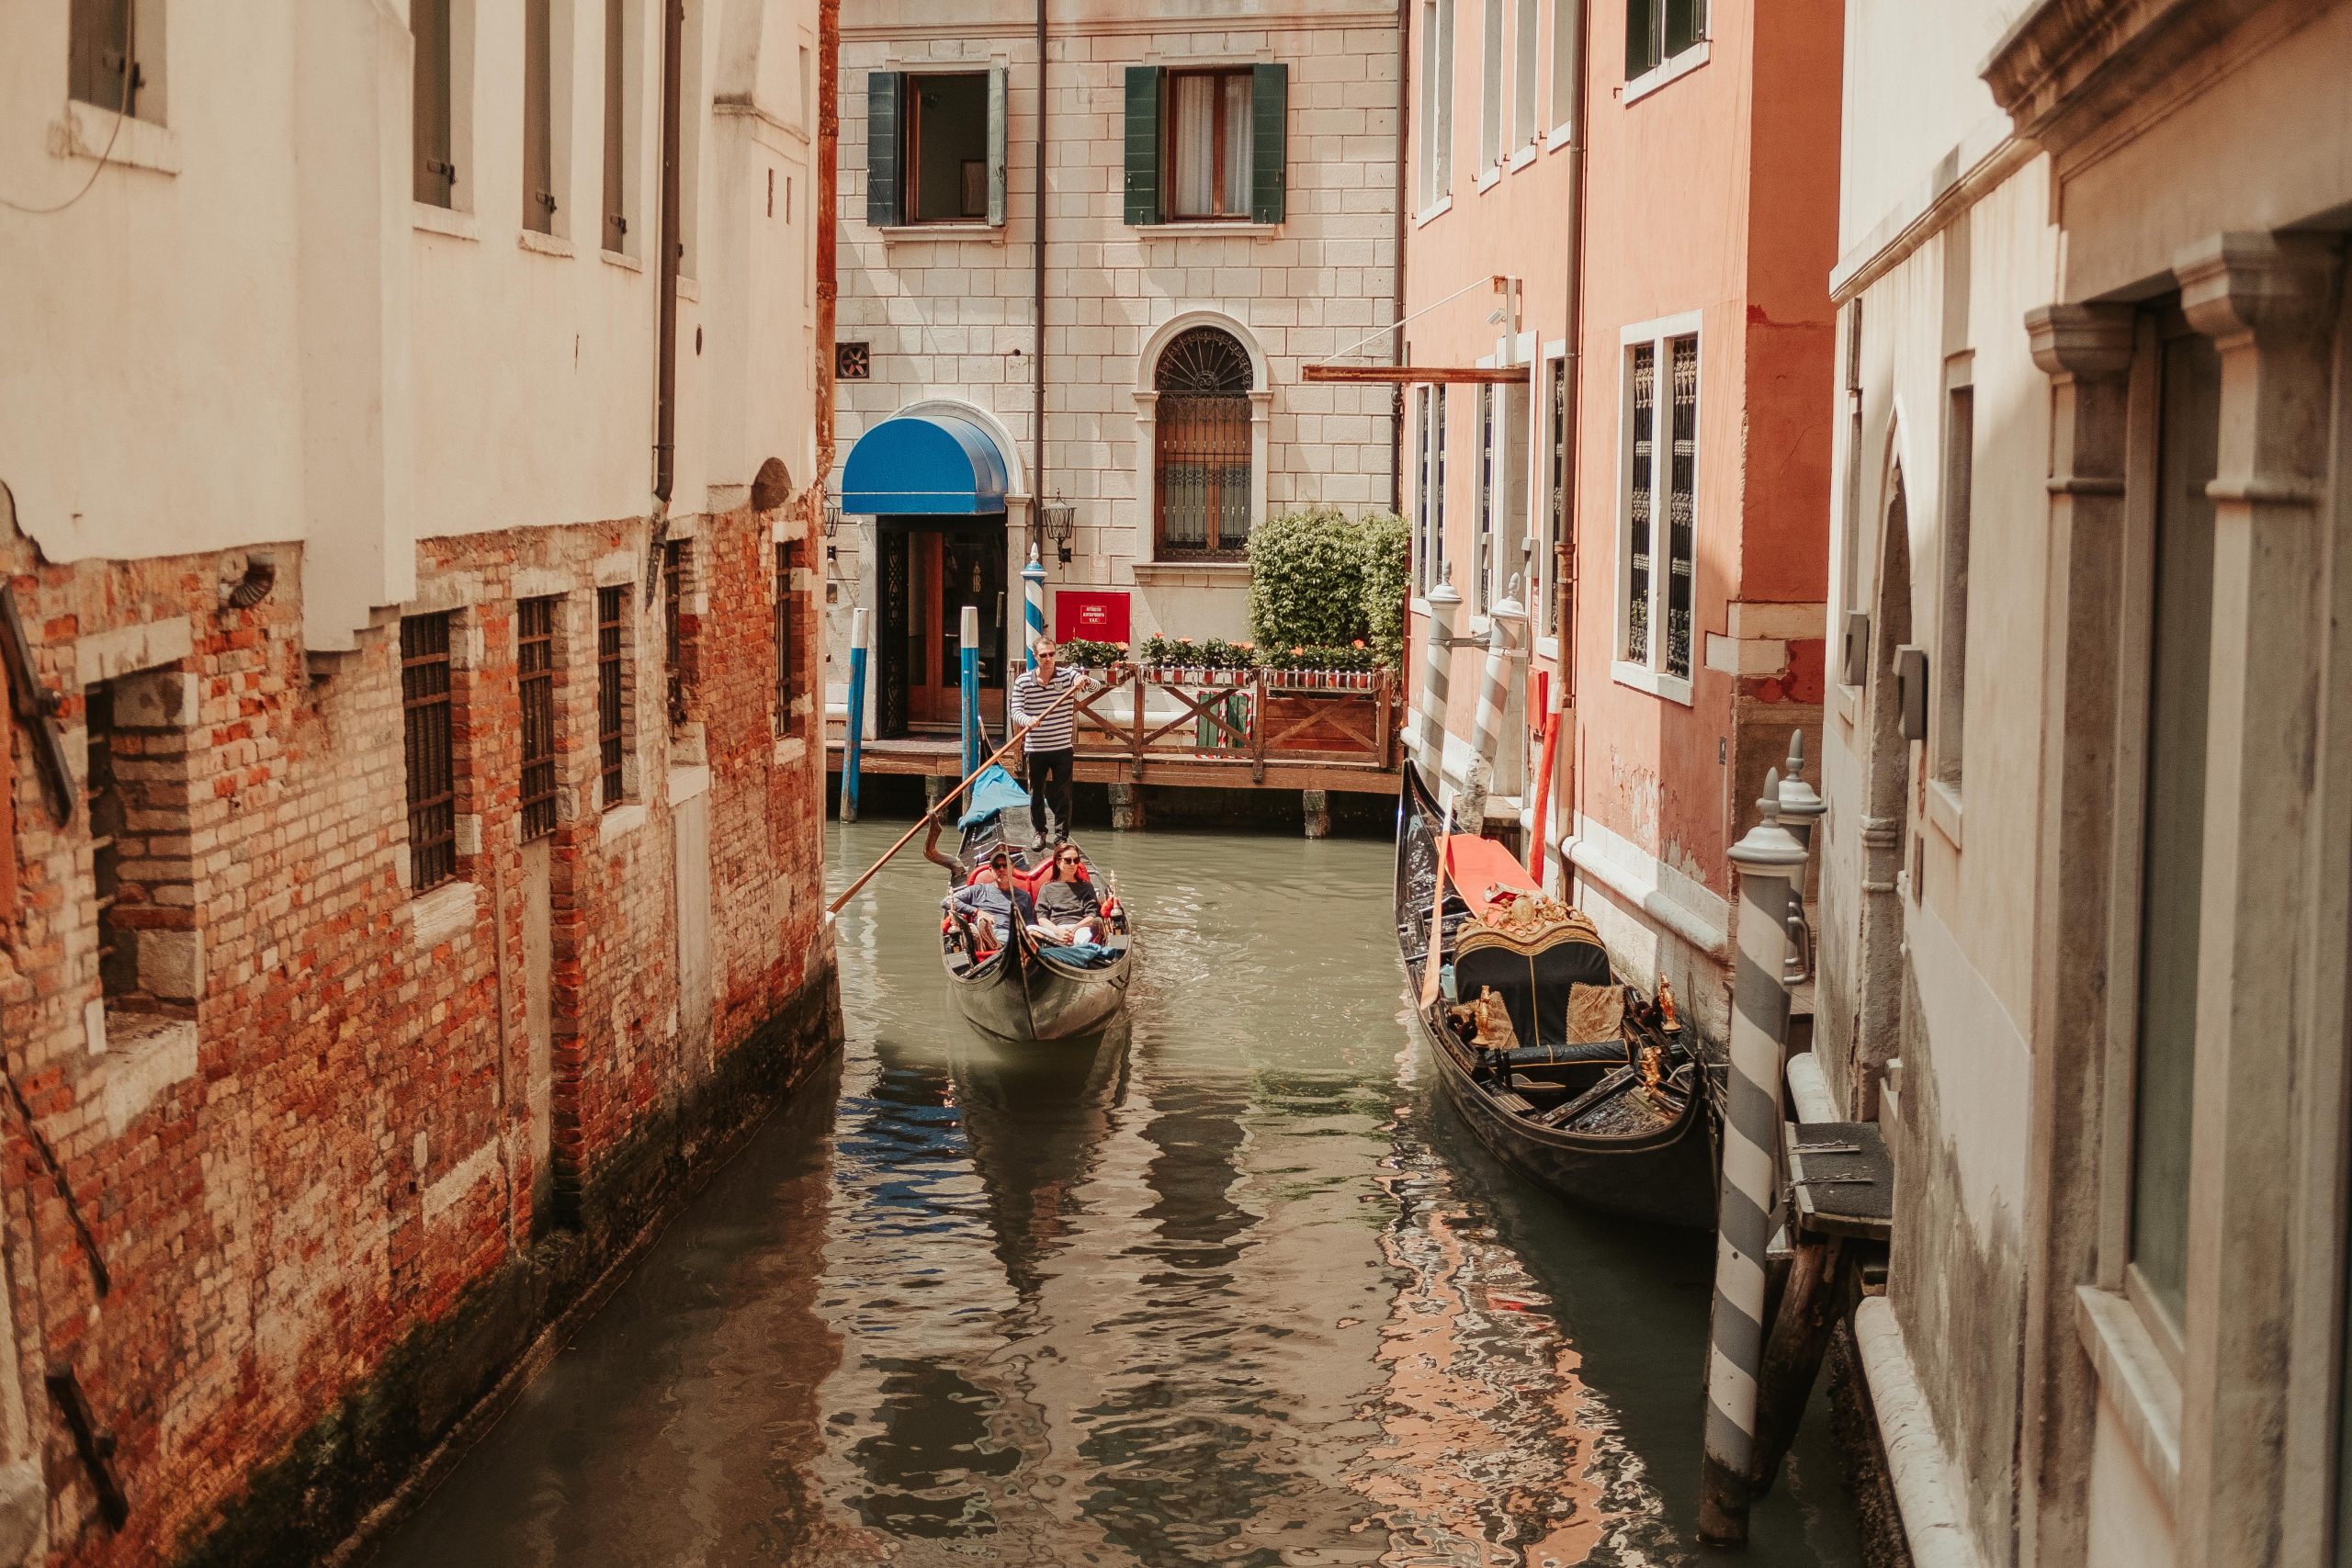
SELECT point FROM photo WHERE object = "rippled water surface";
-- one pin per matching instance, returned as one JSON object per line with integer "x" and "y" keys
{"x": 1229, "y": 1287}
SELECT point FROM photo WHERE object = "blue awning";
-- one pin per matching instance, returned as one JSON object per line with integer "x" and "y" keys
{"x": 934, "y": 463}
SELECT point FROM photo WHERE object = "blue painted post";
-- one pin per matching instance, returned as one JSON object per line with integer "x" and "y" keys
{"x": 853, "y": 742}
{"x": 1032, "y": 596}
{"x": 971, "y": 629}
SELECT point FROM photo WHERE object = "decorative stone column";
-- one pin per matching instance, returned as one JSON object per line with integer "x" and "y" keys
{"x": 2267, "y": 302}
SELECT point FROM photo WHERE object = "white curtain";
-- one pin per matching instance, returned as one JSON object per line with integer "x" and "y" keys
{"x": 1236, "y": 143}
{"x": 1194, "y": 146}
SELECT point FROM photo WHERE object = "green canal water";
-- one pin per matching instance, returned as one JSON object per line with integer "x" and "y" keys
{"x": 1231, "y": 1286}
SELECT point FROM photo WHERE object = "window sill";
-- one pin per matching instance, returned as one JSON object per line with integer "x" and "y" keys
{"x": 1548, "y": 647}
{"x": 1562, "y": 136}
{"x": 894, "y": 233}
{"x": 1192, "y": 573}
{"x": 449, "y": 221}
{"x": 148, "y": 1054}
{"x": 619, "y": 821}
{"x": 543, "y": 245}
{"x": 1849, "y": 704}
{"x": 689, "y": 290}
{"x": 623, "y": 260}
{"x": 138, "y": 143}
{"x": 1674, "y": 70}
{"x": 1435, "y": 211}
{"x": 1489, "y": 178}
{"x": 2134, "y": 1377}
{"x": 790, "y": 750}
{"x": 1225, "y": 227}
{"x": 443, "y": 915}
{"x": 1524, "y": 156}
{"x": 688, "y": 781}
{"x": 1658, "y": 683}
{"x": 1943, "y": 810}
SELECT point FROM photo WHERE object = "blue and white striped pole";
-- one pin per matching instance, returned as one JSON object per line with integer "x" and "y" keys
{"x": 971, "y": 629}
{"x": 853, "y": 741}
{"x": 1032, "y": 606}
{"x": 1768, "y": 859}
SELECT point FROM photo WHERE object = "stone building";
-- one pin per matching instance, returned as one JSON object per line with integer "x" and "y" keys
{"x": 414, "y": 789}
{"x": 2084, "y": 885}
{"x": 1220, "y": 210}
{"x": 1624, "y": 220}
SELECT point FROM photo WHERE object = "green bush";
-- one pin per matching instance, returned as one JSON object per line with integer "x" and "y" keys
{"x": 1306, "y": 580}
{"x": 1385, "y": 541}
{"x": 1081, "y": 654}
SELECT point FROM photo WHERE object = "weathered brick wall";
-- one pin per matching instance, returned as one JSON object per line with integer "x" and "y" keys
{"x": 314, "y": 1182}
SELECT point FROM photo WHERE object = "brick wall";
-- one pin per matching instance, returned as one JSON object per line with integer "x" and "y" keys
{"x": 313, "y": 1175}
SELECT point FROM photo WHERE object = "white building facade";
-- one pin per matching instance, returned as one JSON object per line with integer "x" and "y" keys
{"x": 1220, "y": 209}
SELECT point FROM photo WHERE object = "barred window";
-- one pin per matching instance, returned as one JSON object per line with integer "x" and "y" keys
{"x": 429, "y": 749}
{"x": 1640, "y": 466}
{"x": 1482, "y": 546}
{"x": 677, "y": 630}
{"x": 118, "y": 943}
{"x": 611, "y": 604}
{"x": 1683, "y": 507}
{"x": 788, "y": 671}
{"x": 1202, "y": 435}
{"x": 1548, "y": 566}
{"x": 535, "y": 680}
{"x": 1656, "y": 575}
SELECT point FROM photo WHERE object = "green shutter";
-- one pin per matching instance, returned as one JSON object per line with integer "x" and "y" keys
{"x": 998, "y": 86}
{"x": 1145, "y": 90}
{"x": 1269, "y": 147}
{"x": 885, "y": 110}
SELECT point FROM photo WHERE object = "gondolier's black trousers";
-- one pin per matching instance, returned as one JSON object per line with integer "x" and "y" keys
{"x": 1050, "y": 774}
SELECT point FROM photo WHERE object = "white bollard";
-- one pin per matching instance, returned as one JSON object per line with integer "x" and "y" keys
{"x": 1436, "y": 665}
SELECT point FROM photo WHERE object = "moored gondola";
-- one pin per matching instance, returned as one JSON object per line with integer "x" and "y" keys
{"x": 1005, "y": 981}
{"x": 1563, "y": 1071}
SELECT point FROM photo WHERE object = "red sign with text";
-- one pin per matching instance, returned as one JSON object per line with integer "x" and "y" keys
{"x": 1091, "y": 614}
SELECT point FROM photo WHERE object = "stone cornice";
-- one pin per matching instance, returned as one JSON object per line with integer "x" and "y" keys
{"x": 2091, "y": 343}
{"x": 2262, "y": 284}
{"x": 2068, "y": 67}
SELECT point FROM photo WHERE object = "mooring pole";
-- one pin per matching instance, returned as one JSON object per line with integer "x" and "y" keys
{"x": 854, "y": 740}
{"x": 1485, "y": 737}
{"x": 971, "y": 630}
{"x": 1032, "y": 606}
{"x": 1437, "y": 663}
{"x": 1800, "y": 806}
{"x": 1767, "y": 858}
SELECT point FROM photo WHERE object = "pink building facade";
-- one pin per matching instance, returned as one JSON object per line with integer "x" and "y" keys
{"x": 1672, "y": 471}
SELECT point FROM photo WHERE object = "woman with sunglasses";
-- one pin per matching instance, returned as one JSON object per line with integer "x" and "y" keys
{"x": 1068, "y": 911}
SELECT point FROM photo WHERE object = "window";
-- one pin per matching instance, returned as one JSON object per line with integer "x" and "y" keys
{"x": 1660, "y": 483}
{"x": 787, "y": 664}
{"x": 546, "y": 109}
{"x": 1524, "y": 62}
{"x": 1437, "y": 490}
{"x": 1482, "y": 543}
{"x": 679, "y": 627}
{"x": 1490, "y": 86}
{"x": 429, "y": 749}
{"x": 612, "y": 604}
{"x": 1555, "y": 502}
{"x": 2173, "y": 819}
{"x": 534, "y": 688}
{"x": 1202, "y": 437}
{"x": 1850, "y": 543}
{"x": 1658, "y": 31}
{"x": 113, "y": 51}
{"x": 1437, "y": 100}
{"x": 1511, "y": 480}
{"x": 621, "y": 46}
{"x": 1424, "y": 509}
{"x": 935, "y": 147}
{"x": 117, "y": 940}
{"x": 1565, "y": 64}
{"x": 1951, "y": 654}
{"x": 439, "y": 100}
{"x": 1206, "y": 145}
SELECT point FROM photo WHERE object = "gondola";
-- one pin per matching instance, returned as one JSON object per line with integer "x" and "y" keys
{"x": 1616, "y": 1122}
{"x": 1021, "y": 990}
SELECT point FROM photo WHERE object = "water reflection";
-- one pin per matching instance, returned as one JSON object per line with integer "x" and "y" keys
{"x": 1224, "y": 1289}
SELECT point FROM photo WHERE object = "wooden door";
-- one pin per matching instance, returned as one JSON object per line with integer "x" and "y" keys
{"x": 947, "y": 571}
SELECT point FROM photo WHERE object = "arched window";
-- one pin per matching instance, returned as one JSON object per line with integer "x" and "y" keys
{"x": 1201, "y": 505}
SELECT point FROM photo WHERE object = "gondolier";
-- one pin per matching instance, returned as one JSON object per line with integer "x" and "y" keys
{"x": 1052, "y": 746}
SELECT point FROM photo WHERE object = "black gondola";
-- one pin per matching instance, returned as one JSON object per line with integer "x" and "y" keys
{"x": 1618, "y": 1123}
{"x": 1020, "y": 990}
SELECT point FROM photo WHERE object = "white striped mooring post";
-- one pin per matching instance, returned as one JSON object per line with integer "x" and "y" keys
{"x": 1032, "y": 606}
{"x": 1437, "y": 664}
{"x": 1768, "y": 859}
{"x": 1485, "y": 734}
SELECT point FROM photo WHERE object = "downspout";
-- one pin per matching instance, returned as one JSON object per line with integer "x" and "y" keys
{"x": 1570, "y": 795}
{"x": 1037, "y": 357}
{"x": 828, "y": 135}
{"x": 1396, "y": 310}
{"x": 666, "y": 374}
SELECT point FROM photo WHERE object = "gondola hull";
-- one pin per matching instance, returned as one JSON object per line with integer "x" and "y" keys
{"x": 1032, "y": 998}
{"x": 1662, "y": 1173}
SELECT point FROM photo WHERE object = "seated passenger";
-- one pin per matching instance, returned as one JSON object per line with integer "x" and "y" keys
{"x": 993, "y": 905}
{"x": 1068, "y": 911}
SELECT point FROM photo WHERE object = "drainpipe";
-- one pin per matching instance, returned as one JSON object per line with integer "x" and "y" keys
{"x": 665, "y": 384}
{"x": 1037, "y": 358}
{"x": 1397, "y": 309}
{"x": 828, "y": 135}
{"x": 1571, "y": 795}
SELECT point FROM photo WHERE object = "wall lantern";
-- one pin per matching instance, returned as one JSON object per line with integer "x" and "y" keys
{"x": 1054, "y": 519}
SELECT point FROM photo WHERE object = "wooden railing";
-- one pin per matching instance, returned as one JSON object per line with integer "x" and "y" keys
{"x": 1246, "y": 718}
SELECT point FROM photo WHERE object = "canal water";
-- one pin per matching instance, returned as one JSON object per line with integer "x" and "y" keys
{"x": 1230, "y": 1287}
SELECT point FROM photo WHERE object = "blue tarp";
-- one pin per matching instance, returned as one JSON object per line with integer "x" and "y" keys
{"x": 1080, "y": 955}
{"x": 994, "y": 791}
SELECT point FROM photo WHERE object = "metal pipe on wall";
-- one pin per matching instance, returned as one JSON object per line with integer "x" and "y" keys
{"x": 1396, "y": 308}
{"x": 1038, "y": 366}
{"x": 1570, "y": 742}
{"x": 666, "y": 374}
{"x": 828, "y": 135}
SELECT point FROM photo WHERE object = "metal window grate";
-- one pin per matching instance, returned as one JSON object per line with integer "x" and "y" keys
{"x": 1682, "y": 506}
{"x": 430, "y": 750}
{"x": 785, "y": 671}
{"x": 1202, "y": 440}
{"x": 610, "y": 604}
{"x": 535, "y": 682}
{"x": 118, "y": 947}
{"x": 1556, "y": 503}
{"x": 1640, "y": 428}
{"x": 1482, "y": 555}
{"x": 674, "y": 631}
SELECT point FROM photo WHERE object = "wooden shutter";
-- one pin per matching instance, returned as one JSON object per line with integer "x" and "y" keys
{"x": 1146, "y": 89}
{"x": 616, "y": 219}
{"x": 999, "y": 86}
{"x": 886, "y": 105}
{"x": 1269, "y": 151}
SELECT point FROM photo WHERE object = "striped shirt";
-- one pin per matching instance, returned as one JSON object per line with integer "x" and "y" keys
{"x": 1032, "y": 696}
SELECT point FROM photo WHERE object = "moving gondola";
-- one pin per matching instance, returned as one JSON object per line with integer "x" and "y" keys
{"x": 1614, "y": 1117}
{"x": 1005, "y": 982}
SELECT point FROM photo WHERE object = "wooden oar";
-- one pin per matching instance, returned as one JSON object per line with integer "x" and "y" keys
{"x": 1437, "y": 916}
{"x": 1011, "y": 741}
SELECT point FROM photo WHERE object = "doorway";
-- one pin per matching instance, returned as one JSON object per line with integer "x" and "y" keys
{"x": 931, "y": 569}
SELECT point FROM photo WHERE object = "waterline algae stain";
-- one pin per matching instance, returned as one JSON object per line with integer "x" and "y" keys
{"x": 1227, "y": 1288}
